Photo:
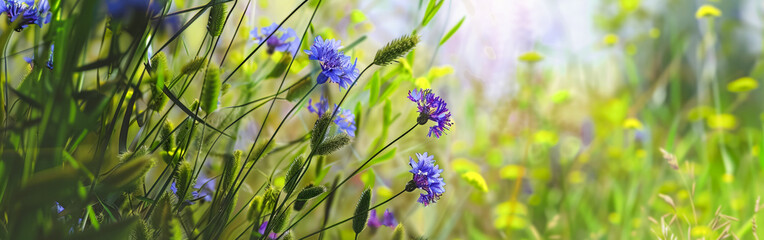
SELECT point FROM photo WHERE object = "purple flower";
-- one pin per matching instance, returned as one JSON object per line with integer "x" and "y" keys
{"x": 282, "y": 40}
{"x": 431, "y": 107}
{"x": 48, "y": 64}
{"x": 320, "y": 107}
{"x": 427, "y": 177}
{"x": 29, "y": 12}
{"x": 59, "y": 208}
{"x": 262, "y": 228}
{"x": 205, "y": 188}
{"x": 373, "y": 220}
{"x": 388, "y": 219}
{"x": 345, "y": 119}
{"x": 335, "y": 65}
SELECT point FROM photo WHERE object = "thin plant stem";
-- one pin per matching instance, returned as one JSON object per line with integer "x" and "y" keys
{"x": 348, "y": 178}
{"x": 351, "y": 218}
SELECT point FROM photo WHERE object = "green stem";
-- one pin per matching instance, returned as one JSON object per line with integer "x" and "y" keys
{"x": 348, "y": 178}
{"x": 350, "y": 218}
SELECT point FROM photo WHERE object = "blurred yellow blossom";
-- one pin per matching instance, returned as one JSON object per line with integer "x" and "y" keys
{"x": 610, "y": 39}
{"x": 384, "y": 192}
{"x": 614, "y": 218}
{"x": 655, "y": 33}
{"x": 707, "y": 11}
{"x": 576, "y": 177}
{"x": 531, "y": 57}
{"x": 701, "y": 230}
{"x": 475, "y": 180}
{"x": 560, "y": 96}
{"x": 545, "y": 137}
{"x": 743, "y": 84}
{"x": 632, "y": 123}
{"x": 728, "y": 178}
{"x": 722, "y": 121}
{"x": 511, "y": 171}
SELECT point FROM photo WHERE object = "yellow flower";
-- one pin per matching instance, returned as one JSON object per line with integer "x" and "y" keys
{"x": 560, "y": 96}
{"x": 476, "y": 180}
{"x": 531, "y": 57}
{"x": 722, "y": 121}
{"x": 632, "y": 123}
{"x": 655, "y": 33}
{"x": 511, "y": 171}
{"x": 743, "y": 84}
{"x": 610, "y": 39}
{"x": 576, "y": 177}
{"x": 545, "y": 137}
{"x": 728, "y": 178}
{"x": 707, "y": 11}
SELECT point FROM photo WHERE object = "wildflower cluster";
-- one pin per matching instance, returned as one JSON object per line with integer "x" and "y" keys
{"x": 345, "y": 119}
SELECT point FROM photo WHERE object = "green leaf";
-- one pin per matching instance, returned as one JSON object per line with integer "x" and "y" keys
{"x": 369, "y": 177}
{"x": 374, "y": 89}
{"x": 451, "y": 32}
{"x": 362, "y": 211}
{"x": 432, "y": 9}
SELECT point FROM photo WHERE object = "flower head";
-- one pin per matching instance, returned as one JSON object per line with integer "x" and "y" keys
{"x": 262, "y": 228}
{"x": 318, "y": 108}
{"x": 205, "y": 188}
{"x": 335, "y": 65}
{"x": 707, "y": 11}
{"x": 427, "y": 177}
{"x": 345, "y": 118}
{"x": 373, "y": 220}
{"x": 388, "y": 219}
{"x": 282, "y": 40}
{"x": 431, "y": 107}
{"x": 29, "y": 12}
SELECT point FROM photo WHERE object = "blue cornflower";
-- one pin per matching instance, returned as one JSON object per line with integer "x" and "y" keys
{"x": 427, "y": 177}
{"x": 29, "y": 12}
{"x": 320, "y": 107}
{"x": 345, "y": 118}
{"x": 205, "y": 188}
{"x": 262, "y": 228}
{"x": 282, "y": 40}
{"x": 431, "y": 107}
{"x": 335, "y": 65}
{"x": 373, "y": 220}
{"x": 388, "y": 219}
